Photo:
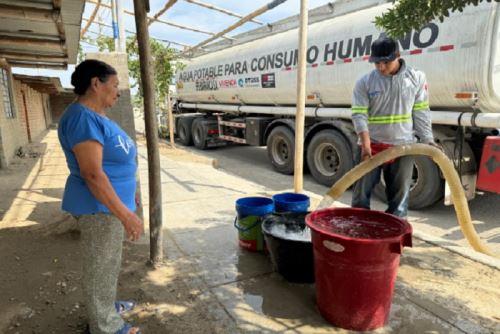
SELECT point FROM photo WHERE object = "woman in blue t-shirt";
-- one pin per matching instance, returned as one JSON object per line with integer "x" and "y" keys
{"x": 100, "y": 191}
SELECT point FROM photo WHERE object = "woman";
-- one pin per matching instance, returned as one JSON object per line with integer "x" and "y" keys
{"x": 100, "y": 191}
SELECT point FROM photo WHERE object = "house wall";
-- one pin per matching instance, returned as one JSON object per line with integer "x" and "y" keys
{"x": 122, "y": 112}
{"x": 59, "y": 103}
{"x": 35, "y": 105}
{"x": 12, "y": 134}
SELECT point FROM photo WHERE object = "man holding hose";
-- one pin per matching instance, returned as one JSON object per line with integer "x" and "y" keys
{"x": 390, "y": 107}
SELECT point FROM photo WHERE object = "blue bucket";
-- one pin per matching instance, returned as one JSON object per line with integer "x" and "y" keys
{"x": 248, "y": 221}
{"x": 291, "y": 202}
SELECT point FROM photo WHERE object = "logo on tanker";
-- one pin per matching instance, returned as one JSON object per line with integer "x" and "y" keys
{"x": 249, "y": 82}
{"x": 228, "y": 83}
{"x": 202, "y": 85}
{"x": 329, "y": 51}
{"x": 268, "y": 80}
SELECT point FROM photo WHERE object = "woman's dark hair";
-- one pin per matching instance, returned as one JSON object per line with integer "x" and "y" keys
{"x": 88, "y": 69}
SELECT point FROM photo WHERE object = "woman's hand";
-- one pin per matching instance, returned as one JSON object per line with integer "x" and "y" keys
{"x": 133, "y": 226}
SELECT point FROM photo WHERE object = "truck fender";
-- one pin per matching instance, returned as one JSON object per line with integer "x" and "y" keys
{"x": 344, "y": 127}
{"x": 290, "y": 123}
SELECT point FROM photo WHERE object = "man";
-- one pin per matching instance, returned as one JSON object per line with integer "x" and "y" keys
{"x": 390, "y": 107}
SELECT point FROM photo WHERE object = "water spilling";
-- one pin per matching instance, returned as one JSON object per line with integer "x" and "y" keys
{"x": 294, "y": 232}
{"x": 326, "y": 202}
{"x": 355, "y": 227}
{"x": 288, "y": 226}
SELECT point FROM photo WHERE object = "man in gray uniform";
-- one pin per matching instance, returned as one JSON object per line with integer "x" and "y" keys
{"x": 390, "y": 107}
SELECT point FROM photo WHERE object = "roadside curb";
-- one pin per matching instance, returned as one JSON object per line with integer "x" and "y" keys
{"x": 459, "y": 250}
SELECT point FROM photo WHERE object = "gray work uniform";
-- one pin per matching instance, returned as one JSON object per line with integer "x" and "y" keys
{"x": 393, "y": 109}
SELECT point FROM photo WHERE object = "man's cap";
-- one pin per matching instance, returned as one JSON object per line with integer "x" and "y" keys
{"x": 384, "y": 49}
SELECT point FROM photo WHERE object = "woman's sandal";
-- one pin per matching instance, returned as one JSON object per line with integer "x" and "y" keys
{"x": 124, "y": 306}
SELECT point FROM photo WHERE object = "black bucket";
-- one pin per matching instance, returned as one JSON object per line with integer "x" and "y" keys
{"x": 288, "y": 240}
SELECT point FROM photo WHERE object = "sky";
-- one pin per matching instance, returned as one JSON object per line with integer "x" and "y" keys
{"x": 186, "y": 14}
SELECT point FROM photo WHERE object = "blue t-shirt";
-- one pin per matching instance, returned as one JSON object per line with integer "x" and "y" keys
{"x": 79, "y": 124}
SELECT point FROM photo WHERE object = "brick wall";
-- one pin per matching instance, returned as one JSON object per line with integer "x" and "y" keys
{"x": 59, "y": 103}
{"x": 33, "y": 104}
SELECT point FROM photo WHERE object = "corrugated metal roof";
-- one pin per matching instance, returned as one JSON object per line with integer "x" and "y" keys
{"x": 40, "y": 33}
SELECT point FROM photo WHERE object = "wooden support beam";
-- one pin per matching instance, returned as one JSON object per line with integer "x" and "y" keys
{"x": 30, "y": 14}
{"x": 8, "y": 42}
{"x": 42, "y": 66}
{"x": 153, "y": 148}
{"x": 33, "y": 57}
{"x": 27, "y": 4}
{"x": 298, "y": 175}
{"x": 7, "y": 51}
{"x": 57, "y": 4}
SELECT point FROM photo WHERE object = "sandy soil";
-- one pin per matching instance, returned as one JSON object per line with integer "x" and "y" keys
{"x": 40, "y": 280}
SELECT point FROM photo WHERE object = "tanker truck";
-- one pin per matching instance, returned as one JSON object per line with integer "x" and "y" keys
{"x": 244, "y": 91}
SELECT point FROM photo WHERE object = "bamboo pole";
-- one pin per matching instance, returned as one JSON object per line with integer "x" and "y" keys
{"x": 169, "y": 4}
{"x": 247, "y": 18}
{"x": 222, "y": 10}
{"x": 132, "y": 33}
{"x": 155, "y": 205}
{"x": 156, "y": 19}
{"x": 92, "y": 16}
{"x": 170, "y": 119}
{"x": 298, "y": 176}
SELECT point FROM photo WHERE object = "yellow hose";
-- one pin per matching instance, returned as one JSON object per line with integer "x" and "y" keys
{"x": 446, "y": 166}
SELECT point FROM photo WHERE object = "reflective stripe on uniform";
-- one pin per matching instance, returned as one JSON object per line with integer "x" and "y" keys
{"x": 421, "y": 106}
{"x": 389, "y": 119}
{"x": 359, "y": 109}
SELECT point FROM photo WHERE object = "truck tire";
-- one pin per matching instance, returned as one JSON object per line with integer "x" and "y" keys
{"x": 329, "y": 156}
{"x": 184, "y": 131}
{"x": 427, "y": 187}
{"x": 281, "y": 149}
{"x": 199, "y": 133}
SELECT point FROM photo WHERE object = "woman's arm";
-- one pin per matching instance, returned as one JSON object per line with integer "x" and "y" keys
{"x": 89, "y": 157}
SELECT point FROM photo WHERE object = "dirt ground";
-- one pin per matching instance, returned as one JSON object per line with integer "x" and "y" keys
{"x": 40, "y": 280}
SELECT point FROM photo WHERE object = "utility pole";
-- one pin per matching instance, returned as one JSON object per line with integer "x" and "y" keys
{"x": 298, "y": 175}
{"x": 155, "y": 206}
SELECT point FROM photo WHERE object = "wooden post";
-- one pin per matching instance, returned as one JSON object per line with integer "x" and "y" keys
{"x": 155, "y": 205}
{"x": 168, "y": 104}
{"x": 301, "y": 98}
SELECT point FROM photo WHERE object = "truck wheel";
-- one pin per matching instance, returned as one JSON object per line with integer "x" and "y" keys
{"x": 329, "y": 157}
{"x": 427, "y": 186}
{"x": 199, "y": 131}
{"x": 184, "y": 131}
{"x": 281, "y": 149}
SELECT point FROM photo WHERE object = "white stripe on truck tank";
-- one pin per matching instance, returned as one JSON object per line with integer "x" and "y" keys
{"x": 455, "y": 55}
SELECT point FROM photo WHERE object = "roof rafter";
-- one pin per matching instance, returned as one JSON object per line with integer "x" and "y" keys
{"x": 222, "y": 10}
{"x": 156, "y": 18}
{"x": 133, "y": 33}
{"x": 247, "y": 18}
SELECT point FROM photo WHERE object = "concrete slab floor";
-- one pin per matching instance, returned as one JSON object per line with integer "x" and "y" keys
{"x": 437, "y": 291}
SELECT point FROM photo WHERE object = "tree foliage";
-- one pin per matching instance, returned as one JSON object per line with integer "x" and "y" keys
{"x": 163, "y": 68}
{"x": 414, "y": 14}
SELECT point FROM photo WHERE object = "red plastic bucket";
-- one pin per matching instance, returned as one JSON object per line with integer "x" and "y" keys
{"x": 356, "y": 257}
